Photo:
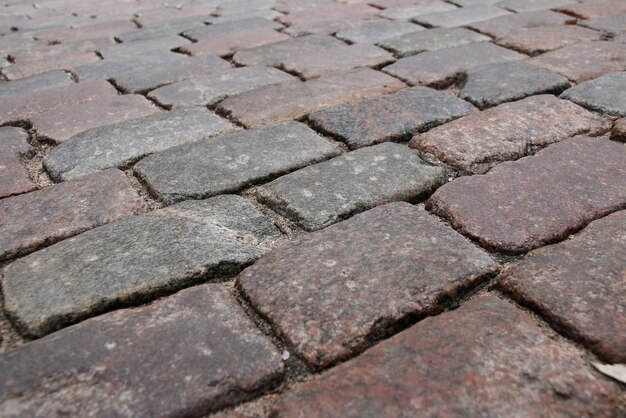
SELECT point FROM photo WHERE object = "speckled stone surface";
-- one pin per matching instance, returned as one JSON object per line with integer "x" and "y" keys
{"x": 325, "y": 193}
{"x": 588, "y": 9}
{"x": 43, "y": 217}
{"x": 377, "y": 30}
{"x": 276, "y": 53}
{"x": 431, "y": 40}
{"x": 392, "y": 117}
{"x": 229, "y": 163}
{"x": 619, "y": 130}
{"x": 579, "y": 285}
{"x": 532, "y": 5}
{"x": 509, "y": 131}
{"x": 486, "y": 359}
{"x": 228, "y": 44}
{"x": 604, "y": 94}
{"x": 189, "y": 354}
{"x": 103, "y": 268}
{"x": 408, "y": 10}
{"x": 537, "y": 200}
{"x": 14, "y": 178}
{"x": 332, "y": 291}
{"x": 490, "y": 86}
{"x": 535, "y": 41}
{"x": 613, "y": 24}
{"x": 49, "y": 79}
{"x": 461, "y": 16}
{"x": 119, "y": 144}
{"x": 504, "y": 25}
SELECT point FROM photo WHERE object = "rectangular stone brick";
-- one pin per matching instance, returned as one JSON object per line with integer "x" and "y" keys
{"x": 519, "y": 6}
{"x": 604, "y": 94}
{"x": 229, "y": 163}
{"x": 581, "y": 62}
{"x": 211, "y": 88}
{"x": 327, "y": 20}
{"x": 24, "y": 69}
{"x": 535, "y": 41}
{"x": 188, "y": 354}
{"x": 228, "y": 28}
{"x": 431, "y": 40}
{"x": 377, "y": 31}
{"x": 163, "y": 28}
{"x": 478, "y": 142}
{"x": 504, "y": 25}
{"x": 619, "y": 130}
{"x": 131, "y": 50}
{"x": 230, "y": 43}
{"x": 538, "y": 200}
{"x": 589, "y": 9}
{"x": 102, "y": 269}
{"x": 588, "y": 269}
{"x": 442, "y": 67}
{"x": 43, "y": 217}
{"x": 461, "y": 17}
{"x": 297, "y": 98}
{"x": 325, "y": 193}
{"x": 62, "y": 123}
{"x": 613, "y": 25}
{"x": 327, "y": 303}
{"x": 485, "y": 359}
{"x": 411, "y": 9}
{"x": 396, "y": 117}
{"x": 91, "y": 31}
{"x": 14, "y": 178}
{"x": 119, "y": 144}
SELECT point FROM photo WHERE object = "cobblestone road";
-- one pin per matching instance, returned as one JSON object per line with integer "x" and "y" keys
{"x": 313, "y": 208}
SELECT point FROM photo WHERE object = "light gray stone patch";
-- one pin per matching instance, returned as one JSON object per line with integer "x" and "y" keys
{"x": 461, "y": 17}
{"x": 376, "y": 31}
{"x": 206, "y": 32}
{"x": 49, "y": 79}
{"x": 606, "y": 94}
{"x": 431, "y": 40}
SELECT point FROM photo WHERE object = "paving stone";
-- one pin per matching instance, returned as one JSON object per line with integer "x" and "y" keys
{"x": 408, "y": 12}
{"x": 43, "y": 217}
{"x": 395, "y": 117}
{"x": 460, "y": 17}
{"x": 485, "y": 359}
{"x": 295, "y": 99}
{"x": 442, "y": 67}
{"x": 465, "y": 3}
{"x": 594, "y": 8}
{"x": 163, "y": 28}
{"x": 149, "y": 78}
{"x": 377, "y": 31}
{"x": 478, "y": 142}
{"x": 578, "y": 286}
{"x": 22, "y": 107}
{"x": 91, "y": 31}
{"x": 327, "y": 303}
{"x": 619, "y": 130}
{"x": 325, "y": 61}
{"x": 229, "y": 163}
{"x": 490, "y": 86}
{"x": 574, "y": 61}
{"x": 62, "y": 123}
{"x": 131, "y": 49}
{"x": 232, "y": 42}
{"x": 613, "y": 24}
{"x": 275, "y": 54}
{"x": 505, "y": 25}
{"x": 36, "y": 83}
{"x": 188, "y": 354}
{"x": 291, "y": 6}
{"x": 520, "y": 6}
{"x": 538, "y": 200}
{"x": 431, "y": 40}
{"x": 265, "y": 14}
{"x": 212, "y": 88}
{"x": 604, "y": 94}
{"x": 102, "y": 269}
{"x": 121, "y": 143}
{"x": 328, "y": 20}
{"x": 14, "y": 178}
{"x": 314, "y": 196}
{"x": 29, "y": 68}
{"x": 535, "y": 41}
{"x": 222, "y": 29}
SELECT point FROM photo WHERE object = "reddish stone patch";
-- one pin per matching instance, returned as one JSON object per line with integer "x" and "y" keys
{"x": 502, "y": 26}
{"x": 619, "y": 130}
{"x": 594, "y": 8}
{"x": 231, "y": 42}
{"x": 327, "y": 20}
{"x": 64, "y": 61}
{"x": 14, "y": 178}
{"x": 535, "y": 41}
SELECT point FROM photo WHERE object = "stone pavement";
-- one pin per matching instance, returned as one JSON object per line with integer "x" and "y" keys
{"x": 313, "y": 208}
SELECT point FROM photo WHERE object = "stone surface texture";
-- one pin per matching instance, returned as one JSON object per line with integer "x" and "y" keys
{"x": 537, "y": 40}
{"x": 604, "y": 94}
{"x": 431, "y": 40}
{"x": 619, "y": 130}
{"x": 14, "y": 177}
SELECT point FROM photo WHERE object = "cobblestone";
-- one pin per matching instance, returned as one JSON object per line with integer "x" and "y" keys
{"x": 589, "y": 9}
{"x": 230, "y": 43}
{"x": 604, "y": 94}
{"x": 613, "y": 24}
{"x": 460, "y": 17}
{"x": 535, "y": 41}
{"x": 431, "y": 40}
{"x": 538, "y": 200}
{"x": 22, "y": 69}
{"x": 14, "y": 178}
{"x": 414, "y": 9}
{"x": 504, "y": 25}
{"x": 377, "y": 31}
{"x": 327, "y": 20}
{"x": 532, "y": 5}
{"x": 100, "y": 269}
{"x": 619, "y": 130}
{"x": 587, "y": 269}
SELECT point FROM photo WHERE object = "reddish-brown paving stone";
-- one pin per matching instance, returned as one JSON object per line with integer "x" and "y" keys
{"x": 619, "y": 130}
{"x": 411, "y": 9}
{"x": 460, "y": 17}
{"x": 594, "y": 8}
{"x": 130, "y": 50}
{"x": 16, "y": 107}
{"x": 55, "y": 62}
{"x": 579, "y": 285}
{"x": 537, "y": 200}
{"x": 295, "y": 99}
{"x": 229, "y": 43}
{"x": 95, "y": 31}
{"x": 519, "y": 6}
{"x": 442, "y": 67}
{"x": 509, "y": 131}
{"x": 327, "y": 20}
{"x": 431, "y": 40}
{"x": 486, "y": 359}
{"x": 534, "y": 41}
{"x": 43, "y": 217}
{"x": 574, "y": 61}
{"x": 614, "y": 24}
{"x": 332, "y": 291}
{"x": 225, "y": 28}
{"x": 377, "y": 30}
{"x": 185, "y": 355}
{"x": 14, "y": 178}
{"x": 504, "y": 25}
{"x": 62, "y": 123}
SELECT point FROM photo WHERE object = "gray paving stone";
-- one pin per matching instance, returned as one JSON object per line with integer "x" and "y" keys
{"x": 331, "y": 291}
{"x": 14, "y": 178}
{"x": 614, "y": 24}
{"x": 377, "y": 31}
{"x": 460, "y": 17}
{"x": 103, "y": 268}
{"x": 395, "y": 117}
{"x": 504, "y": 25}
{"x": 519, "y": 6}
{"x": 206, "y": 32}
{"x": 535, "y": 41}
{"x": 130, "y": 50}
{"x": 185, "y": 355}
{"x": 490, "y": 86}
{"x": 164, "y": 28}
{"x": 50, "y": 79}
{"x": 325, "y": 193}
{"x": 211, "y": 88}
{"x": 465, "y": 3}
{"x": 407, "y": 12}
{"x": 431, "y": 40}
{"x": 118, "y": 66}
{"x": 122, "y": 143}
{"x": 605, "y": 94}
{"x": 230, "y": 163}
{"x": 443, "y": 67}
